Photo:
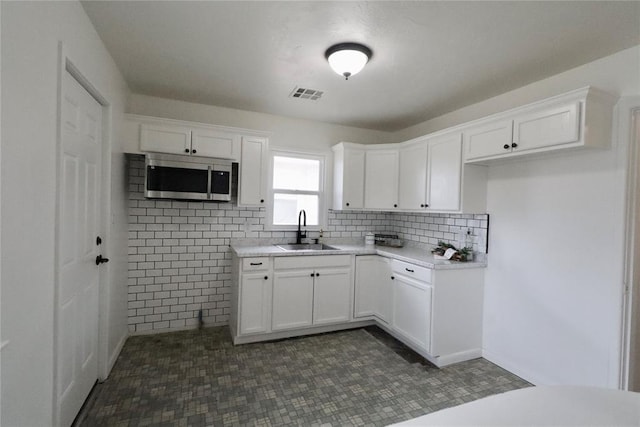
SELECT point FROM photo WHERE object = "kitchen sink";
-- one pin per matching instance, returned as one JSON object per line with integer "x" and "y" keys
{"x": 307, "y": 247}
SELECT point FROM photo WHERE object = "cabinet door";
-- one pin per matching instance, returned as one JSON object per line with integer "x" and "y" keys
{"x": 551, "y": 126}
{"x": 292, "y": 299}
{"x": 331, "y": 295}
{"x": 213, "y": 143}
{"x": 412, "y": 310}
{"x": 366, "y": 285}
{"x": 445, "y": 172}
{"x": 384, "y": 295}
{"x": 487, "y": 140}
{"x": 165, "y": 139}
{"x": 381, "y": 179}
{"x": 251, "y": 191}
{"x": 353, "y": 179}
{"x": 255, "y": 289}
{"x": 373, "y": 291}
{"x": 412, "y": 180}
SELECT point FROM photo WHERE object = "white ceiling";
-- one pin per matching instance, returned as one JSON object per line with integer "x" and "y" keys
{"x": 429, "y": 58}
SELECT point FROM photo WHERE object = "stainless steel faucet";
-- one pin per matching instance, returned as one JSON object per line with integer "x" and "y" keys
{"x": 301, "y": 235}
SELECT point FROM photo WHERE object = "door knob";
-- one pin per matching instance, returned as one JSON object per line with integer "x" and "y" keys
{"x": 101, "y": 260}
{"x": 506, "y": 146}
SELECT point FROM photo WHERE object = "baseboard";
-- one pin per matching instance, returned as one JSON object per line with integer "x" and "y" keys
{"x": 178, "y": 329}
{"x": 504, "y": 363}
{"x": 461, "y": 356}
{"x": 300, "y": 332}
{"x": 114, "y": 356}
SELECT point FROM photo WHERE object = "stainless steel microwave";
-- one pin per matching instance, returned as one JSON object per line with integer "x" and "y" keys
{"x": 187, "y": 178}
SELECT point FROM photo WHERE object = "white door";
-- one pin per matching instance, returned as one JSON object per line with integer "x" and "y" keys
{"x": 551, "y": 126}
{"x": 165, "y": 139}
{"x": 412, "y": 310}
{"x": 214, "y": 143}
{"x": 331, "y": 295}
{"x": 254, "y": 298}
{"x": 412, "y": 185}
{"x": 488, "y": 140}
{"x": 381, "y": 179}
{"x": 445, "y": 173}
{"x": 292, "y": 299}
{"x": 353, "y": 179}
{"x": 252, "y": 171}
{"x": 78, "y": 225}
{"x": 367, "y": 278}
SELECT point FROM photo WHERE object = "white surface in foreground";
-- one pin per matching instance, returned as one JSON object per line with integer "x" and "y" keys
{"x": 542, "y": 406}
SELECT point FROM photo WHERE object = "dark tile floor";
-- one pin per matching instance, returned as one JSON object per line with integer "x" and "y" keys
{"x": 356, "y": 377}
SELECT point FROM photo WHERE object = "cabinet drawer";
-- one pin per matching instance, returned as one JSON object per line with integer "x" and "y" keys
{"x": 255, "y": 264}
{"x": 422, "y": 274}
{"x": 281, "y": 263}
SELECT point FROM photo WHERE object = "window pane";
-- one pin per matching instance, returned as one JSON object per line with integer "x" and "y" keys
{"x": 287, "y": 206}
{"x": 290, "y": 173}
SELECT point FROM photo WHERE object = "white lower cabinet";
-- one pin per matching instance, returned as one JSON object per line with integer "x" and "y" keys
{"x": 438, "y": 313}
{"x": 373, "y": 288}
{"x": 412, "y": 310}
{"x": 331, "y": 295}
{"x": 311, "y": 290}
{"x": 254, "y": 299}
{"x": 292, "y": 299}
{"x": 252, "y": 290}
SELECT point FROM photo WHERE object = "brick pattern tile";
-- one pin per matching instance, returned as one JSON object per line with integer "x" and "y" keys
{"x": 180, "y": 262}
{"x": 197, "y": 378}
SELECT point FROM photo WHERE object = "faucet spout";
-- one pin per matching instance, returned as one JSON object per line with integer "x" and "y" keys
{"x": 302, "y": 215}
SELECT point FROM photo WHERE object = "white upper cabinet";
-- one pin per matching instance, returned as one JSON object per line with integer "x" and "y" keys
{"x": 154, "y": 134}
{"x": 550, "y": 126}
{"x": 488, "y": 139}
{"x": 214, "y": 143}
{"x": 445, "y": 172}
{"x": 412, "y": 179}
{"x": 556, "y": 123}
{"x": 381, "y": 178}
{"x": 253, "y": 171}
{"x": 189, "y": 140}
{"x": 164, "y": 138}
{"x": 348, "y": 176}
{"x": 422, "y": 175}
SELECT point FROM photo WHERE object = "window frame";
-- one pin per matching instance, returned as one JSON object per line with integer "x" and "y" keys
{"x": 322, "y": 195}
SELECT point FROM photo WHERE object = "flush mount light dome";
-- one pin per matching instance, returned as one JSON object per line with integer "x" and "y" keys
{"x": 348, "y": 59}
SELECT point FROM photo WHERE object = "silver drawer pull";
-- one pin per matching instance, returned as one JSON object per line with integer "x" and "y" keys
{"x": 255, "y": 263}
{"x": 409, "y": 270}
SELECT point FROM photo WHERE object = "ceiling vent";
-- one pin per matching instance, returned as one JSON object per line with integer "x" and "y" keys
{"x": 303, "y": 93}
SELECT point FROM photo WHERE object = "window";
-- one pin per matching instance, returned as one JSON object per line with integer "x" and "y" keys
{"x": 297, "y": 184}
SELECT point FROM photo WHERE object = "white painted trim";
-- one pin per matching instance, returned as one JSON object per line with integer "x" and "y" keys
{"x": 150, "y": 119}
{"x": 67, "y": 64}
{"x": 3, "y": 344}
{"x": 301, "y": 332}
{"x": 324, "y": 190}
{"x": 114, "y": 356}
{"x": 625, "y": 130}
{"x": 516, "y": 370}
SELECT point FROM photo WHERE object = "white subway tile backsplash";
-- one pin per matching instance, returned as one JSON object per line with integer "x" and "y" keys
{"x": 180, "y": 262}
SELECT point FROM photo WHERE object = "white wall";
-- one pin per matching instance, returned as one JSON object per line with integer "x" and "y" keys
{"x": 554, "y": 280}
{"x": 31, "y": 32}
{"x": 617, "y": 74}
{"x": 286, "y": 132}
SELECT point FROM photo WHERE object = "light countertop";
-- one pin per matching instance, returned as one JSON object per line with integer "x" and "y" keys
{"x": 414, "y": 255}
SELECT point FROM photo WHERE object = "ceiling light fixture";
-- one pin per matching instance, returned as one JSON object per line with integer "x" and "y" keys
{"x": 348, "y": 59}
